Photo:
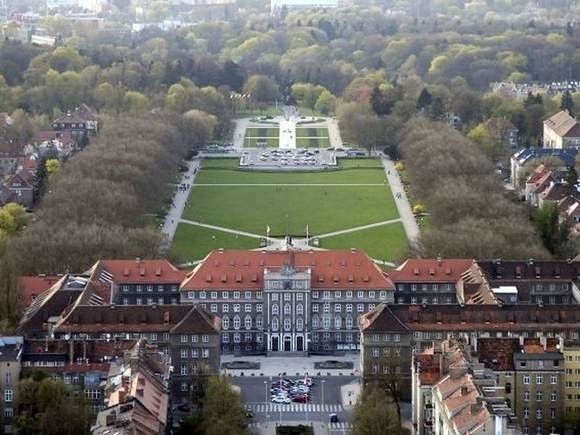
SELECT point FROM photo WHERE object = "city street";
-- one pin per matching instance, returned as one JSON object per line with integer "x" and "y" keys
{"x": 256, "y": 394}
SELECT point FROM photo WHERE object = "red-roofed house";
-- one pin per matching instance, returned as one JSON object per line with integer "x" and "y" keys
{"x": 29, "y": 287}
{"x": 139, "y": 282}
{"x": 20, "y": 184}
{"x": 428, "y": 281}
{"x": 81, "y": 121}
{"x": 291, "y": 301}
{"x": 561, "y": 131}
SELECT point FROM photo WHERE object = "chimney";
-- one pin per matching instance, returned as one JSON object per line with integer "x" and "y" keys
{"x": 464, "y": 390}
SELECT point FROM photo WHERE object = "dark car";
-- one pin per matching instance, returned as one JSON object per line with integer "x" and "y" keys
{"x": 333, "y": 418}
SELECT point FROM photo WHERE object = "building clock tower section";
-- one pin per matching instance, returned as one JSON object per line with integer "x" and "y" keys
{"x": 287, "y": 300}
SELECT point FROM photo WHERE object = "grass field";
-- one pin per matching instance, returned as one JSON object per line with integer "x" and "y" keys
{"x": 383, "y": 243}
{"x": 193, "y": 243}
{"x": 257, "y": 137}
{"x": 312, "y": 137}
{"x": 288, "y": 205}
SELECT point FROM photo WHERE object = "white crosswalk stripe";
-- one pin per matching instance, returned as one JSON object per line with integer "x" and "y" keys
{"x": 295, "y": 407}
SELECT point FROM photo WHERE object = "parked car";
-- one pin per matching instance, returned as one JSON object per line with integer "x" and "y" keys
{"x": 281, "y": 399}
{"x": 333, "y": 418}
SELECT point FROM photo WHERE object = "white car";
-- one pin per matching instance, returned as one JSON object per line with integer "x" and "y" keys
{"x": 281, "y": 399}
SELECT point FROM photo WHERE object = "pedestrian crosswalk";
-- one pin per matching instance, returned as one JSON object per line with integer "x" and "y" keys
{"x": 341, "y": 425}
{"x": 294, "y": 407}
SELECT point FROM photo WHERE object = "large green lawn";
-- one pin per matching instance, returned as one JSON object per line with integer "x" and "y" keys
{"x": 193, "y": 243}
{"x": 387, "y": 242}
{"x": 288, "y": 204}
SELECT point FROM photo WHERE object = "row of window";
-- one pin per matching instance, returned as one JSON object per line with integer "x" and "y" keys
{"x": 237, "y": 337}
{"x": 570, "y": 384}
{"x": 195, "y": 353}
{"x": 194, "y": 338}
{"x": 386, "y": 370}
{"x": 386, "y": 337}
{"x": 326, "y": 322}
{"x": 149, "y": 301}
{"x": 149, "y": 288}
{"x": 573, "y": 358}
{"x": 386, "y": 351}
{"x": 539, "y": 413}
{"x": 573, "y": 396}
{"x": 540, "y": 379}
{"x": 326, "y": 308}
{"x": 8, "y": 395}
{"x": 573, "y": 371}
{"x": 360, "y": 294}
{"x": 426, "y": 287}
{"x": 327, "y": 336}
{"x": 426, "y": 300}
{"x": 237, "y": 322}
{"x": 540, "y": 396}
{"x": 224, "y": 295}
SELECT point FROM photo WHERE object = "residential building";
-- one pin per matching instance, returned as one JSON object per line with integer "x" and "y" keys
{"x": 81, "y": 121}
{"x": 428, "y": 281}
{"x": 28, "y": 288}
{"x": 539, "y": 180}
{"x": 521, "y": 158}
{"x": 10, "y": 360}
{"x": 21, "y": 186}
{"x": 572, "y": 383}
{"x": 399, "y": 330}
{"x": 503, "y": 131}
{"x": 79, "y": 363}
{"x": 186, "y": 333}
{"x": 531, "y": 370}
{"x": 294, "y": 301}
{"x": 561, "y": 131}
{"x": 136, "y": 393}
{"x": 535, "y": 281}
{"x": 452, "y": 394}
{"x": 139, "y": 282}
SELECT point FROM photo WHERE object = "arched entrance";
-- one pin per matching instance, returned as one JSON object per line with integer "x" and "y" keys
{"x": 274, "y": 344}
{"x": 287, "y": 344}
{"x": 300, "y": 344}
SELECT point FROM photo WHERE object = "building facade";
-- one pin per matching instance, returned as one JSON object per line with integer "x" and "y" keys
{"x": 10, "y": 365}
{"x": 304, "y": 301}
{"x": 403, "y": 329}
{"x": 186, "y": 333}
{"x": 561, "y": 131}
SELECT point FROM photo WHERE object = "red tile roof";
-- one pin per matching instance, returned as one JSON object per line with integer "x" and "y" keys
{"x": 471, "y": 318}
{"x": 239, "y": 269}
{"x": 49, "y": 135}
{"x": 497, "y": 353}
{"x": 430, "y": 270}
{"x": 538, "y": 173}
{"x": 139, "y": 318}
{"x": 29, "y": 287}
{"x": 428, "y": 367}
{"x": 142, "y": 271}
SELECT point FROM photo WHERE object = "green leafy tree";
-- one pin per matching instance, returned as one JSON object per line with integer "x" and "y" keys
{"x": 325, "y": 103}
{"x": 571, "y": 180}
{"x": 223, "y": 412}
{"x": 553, "y": 232}
{"x": 49, "y": 407}
{"x": 375, "y": 414}
{"x": 567, "y": 103}
{"x": 437, "y": 110}
{"x": 262, "y": 89}
{"x": 425, "y": 99}
{"x": 52, "y": 167}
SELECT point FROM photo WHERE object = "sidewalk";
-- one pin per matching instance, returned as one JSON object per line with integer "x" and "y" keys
{"x": 178, "y": 205}
{"x": 403, "y": 206}
{"x": 293, "y": 366}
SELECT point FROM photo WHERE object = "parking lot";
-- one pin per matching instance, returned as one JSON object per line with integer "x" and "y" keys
{"x": 303, "y": 158}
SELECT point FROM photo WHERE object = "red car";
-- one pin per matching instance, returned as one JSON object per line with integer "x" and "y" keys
{"x": 300, "y": 398}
